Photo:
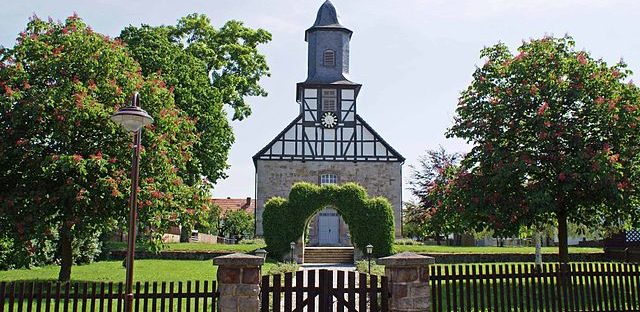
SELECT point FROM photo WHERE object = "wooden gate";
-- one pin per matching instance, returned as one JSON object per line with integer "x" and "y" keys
{"x": 324, "y": 290}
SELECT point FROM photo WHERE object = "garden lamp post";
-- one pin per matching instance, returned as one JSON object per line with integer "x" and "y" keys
{"x": 132, "y": 118}
{"x": 261, "y": 253}
{"x": 292, "y": 246}
{"x": 369, "y": 252}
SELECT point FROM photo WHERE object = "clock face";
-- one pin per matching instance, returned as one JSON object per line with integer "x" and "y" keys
{"x": 329, "y": 120}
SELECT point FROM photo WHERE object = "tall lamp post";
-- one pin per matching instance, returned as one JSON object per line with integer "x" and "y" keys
{"x": 132, "y": 118}
{"x": 369, "y": 252}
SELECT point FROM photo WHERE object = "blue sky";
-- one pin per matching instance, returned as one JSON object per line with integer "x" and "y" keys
{"x": 413, "y": 57}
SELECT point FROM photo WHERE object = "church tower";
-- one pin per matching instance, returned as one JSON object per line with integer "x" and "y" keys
{"x": 328, "y": 142}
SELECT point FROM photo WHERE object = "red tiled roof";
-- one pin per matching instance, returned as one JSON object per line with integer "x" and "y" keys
{"x": 233, "y": 204}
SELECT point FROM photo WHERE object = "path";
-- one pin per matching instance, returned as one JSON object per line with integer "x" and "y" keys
{"x": 334, "y": 268}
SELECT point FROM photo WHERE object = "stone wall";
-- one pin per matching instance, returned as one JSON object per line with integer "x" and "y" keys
{"x": 408, "y": 275}
{"x": 275, "y": 178}
{"x": 239, "y": 282}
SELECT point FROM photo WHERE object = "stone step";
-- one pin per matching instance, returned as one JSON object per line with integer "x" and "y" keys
{"x": 328, "y": 255}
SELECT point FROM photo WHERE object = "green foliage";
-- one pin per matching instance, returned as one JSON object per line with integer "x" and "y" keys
{"x": 237, "y": 224}
{"x": 5, "y": 253}
{"x": 206, "y": 68}
{"x": 281, "y": 268}
{"x": 245, "y": 246}
{"x": 554, "y": 133}
{"x": 208, "y": 222}
{"x": 407, "y": 241}
{"x": 362, "y": 266}
{"x": 436, "y": 214}
{"x": 87, "y": 248}
{"x": 64, "y": 165}
{"x": 370, "y": 220}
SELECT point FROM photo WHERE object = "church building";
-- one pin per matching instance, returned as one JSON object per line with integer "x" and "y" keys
{"x": 329, "y": 142}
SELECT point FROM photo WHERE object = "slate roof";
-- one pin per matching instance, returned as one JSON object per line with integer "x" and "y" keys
{"x": 327, "y": 19}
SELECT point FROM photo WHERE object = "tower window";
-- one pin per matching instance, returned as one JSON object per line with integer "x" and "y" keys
{"x": 329, "y": 58}
{"x": 329, "y": 178}
{"x": 329, "y": 100}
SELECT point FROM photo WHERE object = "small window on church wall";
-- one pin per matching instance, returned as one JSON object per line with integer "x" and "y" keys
{"x": 310, "y": 93}
{"x": 348, "y": 94}
{"x": 329, "y": 100}
{"x": 328, "y": 179}
{"x": 329, "y": 58}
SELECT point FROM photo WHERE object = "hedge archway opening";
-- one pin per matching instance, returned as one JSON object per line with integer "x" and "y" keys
{"x": 370, "y": 220}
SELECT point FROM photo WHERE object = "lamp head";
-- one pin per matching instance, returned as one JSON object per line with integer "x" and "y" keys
{"x": 369, "y": 249}
{"x": 261, "y": 253}
{"x": 132, "y": 117}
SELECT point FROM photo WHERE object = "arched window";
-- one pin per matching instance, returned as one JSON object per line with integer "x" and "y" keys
{"x": 329, "y": 58}
{"x": 328, "y": 178}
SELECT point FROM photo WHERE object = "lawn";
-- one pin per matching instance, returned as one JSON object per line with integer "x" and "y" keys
{"x": 113, "y": 271}
{"x": 489, "y": 250}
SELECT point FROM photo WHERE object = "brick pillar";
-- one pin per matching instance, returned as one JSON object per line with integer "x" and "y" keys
{"x": 408, "y": 275}
{"x": 239, "y": 282}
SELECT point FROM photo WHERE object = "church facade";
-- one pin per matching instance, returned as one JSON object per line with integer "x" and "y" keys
{"x": 329, "y": 142}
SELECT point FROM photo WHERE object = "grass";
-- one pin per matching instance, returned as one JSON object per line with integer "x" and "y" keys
{"x": 196, "y": 247}
{"x": 489, "y": 250}
{"x": 113, "y": 271}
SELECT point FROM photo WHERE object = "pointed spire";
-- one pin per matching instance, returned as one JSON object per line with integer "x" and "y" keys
{"x": 327, "y": 15}
{"x": 327, "y": 19}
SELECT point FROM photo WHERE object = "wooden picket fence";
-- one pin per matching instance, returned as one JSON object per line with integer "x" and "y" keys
{"x": 93, "y": 296}
{"x": 550, "y": 287}
{"x": 322, "y": 291}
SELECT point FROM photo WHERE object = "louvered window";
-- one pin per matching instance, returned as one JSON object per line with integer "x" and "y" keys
{"x": 329, "y": 58}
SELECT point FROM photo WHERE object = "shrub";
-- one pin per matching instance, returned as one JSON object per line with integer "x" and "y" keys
{"x": 407, "y": 241}
{"x": 237, "y": 224}
{"x": 209, "y": 221}
{"x": 376, "y": 269}
{"x": 282, "y": 267}
{"x": 370, "y": 220}
{"x": 87, "y": 249}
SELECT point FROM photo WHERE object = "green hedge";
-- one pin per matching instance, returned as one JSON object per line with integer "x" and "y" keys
{"x": 370, "y": 220}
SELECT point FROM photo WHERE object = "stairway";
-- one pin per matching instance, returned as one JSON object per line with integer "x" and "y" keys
{"x": 328, "y": 255}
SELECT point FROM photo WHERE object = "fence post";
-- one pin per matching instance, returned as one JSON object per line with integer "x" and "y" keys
{"x": 239, "y": 282}
{"x": 408, "y": 275}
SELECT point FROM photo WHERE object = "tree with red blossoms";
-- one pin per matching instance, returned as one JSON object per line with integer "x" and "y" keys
{"x": 555, "y": 139}
{"x": 64, "y": 165}
{"x": 437, "y": 212}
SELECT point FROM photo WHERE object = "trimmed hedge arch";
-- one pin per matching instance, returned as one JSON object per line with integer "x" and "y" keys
{"x": 370, "y": 220}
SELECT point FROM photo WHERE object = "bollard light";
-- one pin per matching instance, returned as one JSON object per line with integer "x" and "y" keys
{"x": 369, "y": 252}
{"x": 292, "y": 245}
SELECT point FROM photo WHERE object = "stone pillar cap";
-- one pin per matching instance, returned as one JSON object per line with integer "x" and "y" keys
{"x": 406, "y": 259}
{"x": 238, "y": 260}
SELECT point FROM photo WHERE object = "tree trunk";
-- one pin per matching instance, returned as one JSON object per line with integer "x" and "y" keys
{"x": 66, "y": 253}
{"x": 563, "y": 237}
{"x": 538, "y": 239}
